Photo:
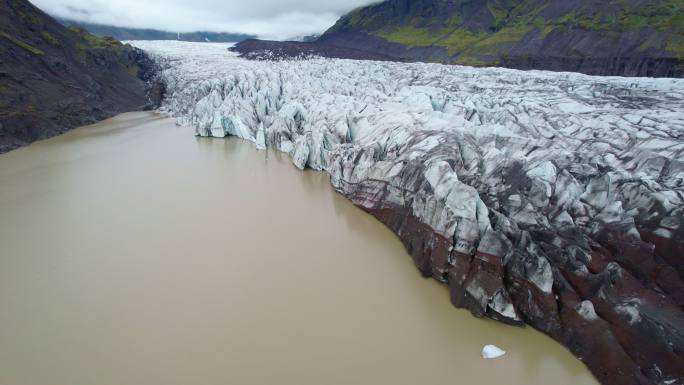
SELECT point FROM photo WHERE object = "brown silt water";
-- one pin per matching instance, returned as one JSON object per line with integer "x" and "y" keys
{"x": 132, "y": 253}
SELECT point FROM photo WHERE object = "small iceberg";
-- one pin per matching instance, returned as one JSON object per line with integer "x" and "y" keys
{"x": 491, "y": 352}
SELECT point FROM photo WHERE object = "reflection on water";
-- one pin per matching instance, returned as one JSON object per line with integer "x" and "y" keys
{"x": 133, "y": 253}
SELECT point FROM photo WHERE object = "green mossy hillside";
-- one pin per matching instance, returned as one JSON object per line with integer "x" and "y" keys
{"x": 89, "y": 40}
{"x": 481, "y": 31}
{"x": 31, "y": 49}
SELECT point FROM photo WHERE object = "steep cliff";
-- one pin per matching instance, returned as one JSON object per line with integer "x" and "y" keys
{"x": 53, "y": 79}
{"x": 598, "y": 37}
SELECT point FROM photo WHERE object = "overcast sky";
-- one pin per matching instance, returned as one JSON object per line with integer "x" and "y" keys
{"x": 277, "y": 19}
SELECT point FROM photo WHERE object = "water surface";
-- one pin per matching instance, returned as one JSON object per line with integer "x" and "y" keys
{"x": 133, "y": 253}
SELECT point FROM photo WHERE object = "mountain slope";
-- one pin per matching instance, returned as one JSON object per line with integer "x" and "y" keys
{"x": 53, "y": 78}
{"x": 601, "y": 37}
{"x": 121, "y": 33}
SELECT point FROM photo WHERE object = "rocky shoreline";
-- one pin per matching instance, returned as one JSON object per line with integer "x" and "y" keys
{"x": 553, "y": 200}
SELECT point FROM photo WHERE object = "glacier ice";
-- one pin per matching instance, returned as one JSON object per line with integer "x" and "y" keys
{"x": 548, "y": 198}
{"x": 492, "y": 351}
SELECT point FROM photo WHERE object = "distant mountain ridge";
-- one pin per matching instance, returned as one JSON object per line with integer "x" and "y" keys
{"x": 122, "y": 33}
{"x": 600, "y": 37}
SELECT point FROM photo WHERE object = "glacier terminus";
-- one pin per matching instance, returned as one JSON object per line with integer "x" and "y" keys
{"x": 549, "y": 199}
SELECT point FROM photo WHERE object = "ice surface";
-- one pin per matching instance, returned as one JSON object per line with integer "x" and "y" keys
{"x": 492, "y": 351}
{"x": 527, "y": 168}
{"x": 577, "y": 143}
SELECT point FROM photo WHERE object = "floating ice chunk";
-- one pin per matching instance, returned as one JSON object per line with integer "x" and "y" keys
{"x": 491, "y": 352}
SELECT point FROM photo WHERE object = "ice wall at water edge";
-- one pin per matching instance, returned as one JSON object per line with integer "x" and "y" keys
{"x": 552, "y": 199}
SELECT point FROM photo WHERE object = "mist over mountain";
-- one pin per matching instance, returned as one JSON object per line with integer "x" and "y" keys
{"x": 268, "y": 19}
{"x": 123, "y": 33}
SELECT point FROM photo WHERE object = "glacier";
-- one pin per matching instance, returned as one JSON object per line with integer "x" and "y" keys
{"x": 541, "y": 198}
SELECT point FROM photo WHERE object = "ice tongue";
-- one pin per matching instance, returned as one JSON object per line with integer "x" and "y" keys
{"x": 491, "y": 351}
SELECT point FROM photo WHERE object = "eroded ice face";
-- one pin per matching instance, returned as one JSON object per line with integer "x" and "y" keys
{"x": 527, "y": 171}
{"x": 583, "y": 148}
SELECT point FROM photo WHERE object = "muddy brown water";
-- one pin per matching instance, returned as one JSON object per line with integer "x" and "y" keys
{"x": 134, "y": 253}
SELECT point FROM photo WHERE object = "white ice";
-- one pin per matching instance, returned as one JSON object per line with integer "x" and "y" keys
{"x": 491, "y": 352}
{"x": 458, "y": 146}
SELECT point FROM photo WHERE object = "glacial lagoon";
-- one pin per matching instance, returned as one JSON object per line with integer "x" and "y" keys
{"x": 134, "y": 253}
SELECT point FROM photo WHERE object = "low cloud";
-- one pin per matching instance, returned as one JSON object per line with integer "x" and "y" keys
{"x": 271, "y": 19}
